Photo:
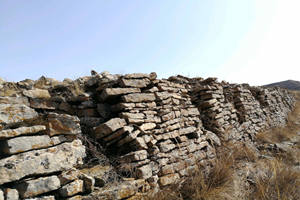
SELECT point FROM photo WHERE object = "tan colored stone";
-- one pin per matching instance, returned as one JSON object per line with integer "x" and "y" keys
{"x": 118, "y": 133}
{"x": 10, "y": 113}
{"x": 32, "y": 188}
{"x": 42, "y": 198}
{"x": 42, "y": 104}
{"x": 11, "y": 194}
{"x": 136, "y": 83}
{"x": 138, "y": 97}
{"x": 111, "y": 92}
{"x": 44, "y": 161}
{"x": 128, "y": 115}
{"x": 9, "y": 133}
{"x": 62, "y": 124}
{"x": 109, "y": 127}
{"x": 37, "y": 93}
{"x": 168, "y": 179}
{"x": 144, "y": 172}
{"x": 1, "y": 195}
{"x": 134, "y": 156}
{"x": 14, "y": 100}
{"x": 72, "y": 188}
{"x": 68, "y": 176}
{"x": 147, "y": 126}
{"x": 25, "y": 143}
{"x": 136, "y": 75}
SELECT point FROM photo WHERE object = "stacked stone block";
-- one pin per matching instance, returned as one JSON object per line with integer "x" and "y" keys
{"x": 154, "y": 132}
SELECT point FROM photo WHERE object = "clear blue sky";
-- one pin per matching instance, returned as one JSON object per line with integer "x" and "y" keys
{"x": 230, "y": 39}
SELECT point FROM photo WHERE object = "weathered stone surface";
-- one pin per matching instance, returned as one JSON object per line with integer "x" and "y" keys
{"x": 168, "y": 179}
{"x": 32, "y": 188}
{"x": 134, "y": 156}
{"x": 136, "y": 75}
{"x": 118, "y": 133}
{"x": 25, "y": 143}
{"x": 9, "y": 133}
{"x": 88, "y": 183}
{"x": 138, "y": 97}
{"x": 62, "y": 124}
{"x": 13, "y": 113}
{"x": 111, "y": 92}
{"x": 14, "y": 100}
{"x": 42, "y": 198}
{"x": 44, "y": 161}
{"x": 144, "y": 172}
{"x": 68, "y": 176}
{"x": 109, "y": 127}
{"x": 147, "y": 126}
{"x": 128, "y": 115}
{"x": 1, "y": 195}
{"x": 72, "y": 188}
{"x": 136, "y": 83}
{"x": 42, "y": 104}
{"x": 37, "y": 93}
{"x": 11, "y": 194}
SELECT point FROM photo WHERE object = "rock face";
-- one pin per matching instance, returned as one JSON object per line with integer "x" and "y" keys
{"x": 156, "y": 131}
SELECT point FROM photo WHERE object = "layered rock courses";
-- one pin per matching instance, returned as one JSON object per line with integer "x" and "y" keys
{"x": 150, "y": 132}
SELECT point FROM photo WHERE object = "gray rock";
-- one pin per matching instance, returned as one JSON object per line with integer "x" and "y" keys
{"x": 44, "y": 161}
{"x": 134, "y": 156}
{"x": 138, "y": 97}
{"x": 68, "y": 176}
{"x": 14, "y": 100}
{"x": 144, "y": 172}
{"x": 136, "y": 83}
{"x": 112, "y": 92}
{"x": 25, "y": 143}
{"x": 1, "y": 195}
{"x": 11, "y": 194}
{"x": 72, "y": 188}
{"x": 42, "y": 198}
{"x": 109, "y": 127}
{"x": 13, "y": 113}
{"x": 37, "y": 93}
{"x": 62, "y": 124}
{"x": 32, "y": 188}
{"x": 9, "y": 133}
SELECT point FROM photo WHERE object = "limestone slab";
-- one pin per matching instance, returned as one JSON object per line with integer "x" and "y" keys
{"x": 44, "y": 161}
{"x": 168, "y": 179}
{"x": 72, "y": 188}
{"x": 111, "y": 92}
{"x": 9, "y": 133}
{"x": 13, "y": 113}
{"x": 11, "y": 194}
{"x": 109, "y": 127}
{"x": 138, "y": 97}
{"x": 136, "y": 83}
{"x": 62, "y": 124}
{"x": 25, "y": 143}
{"x": 32, "y": 188}
{"x": 37, "y": 93}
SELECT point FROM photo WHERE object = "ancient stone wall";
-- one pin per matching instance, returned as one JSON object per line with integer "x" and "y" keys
{"x": 149, "y": 132}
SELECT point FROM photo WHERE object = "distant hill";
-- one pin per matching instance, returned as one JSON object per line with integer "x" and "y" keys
{"x": 289, "y": 84}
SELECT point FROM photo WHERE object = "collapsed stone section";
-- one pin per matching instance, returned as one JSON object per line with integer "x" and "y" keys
{"x": 152, "y": 132}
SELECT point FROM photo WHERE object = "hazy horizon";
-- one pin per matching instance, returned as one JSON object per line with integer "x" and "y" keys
{"x": 248, "y": 41}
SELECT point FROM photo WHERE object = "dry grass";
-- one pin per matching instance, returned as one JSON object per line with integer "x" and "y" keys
{"x": 279, "y": 182}
{"x": 290, "y": 130}
{"x": 217, "y": 183}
